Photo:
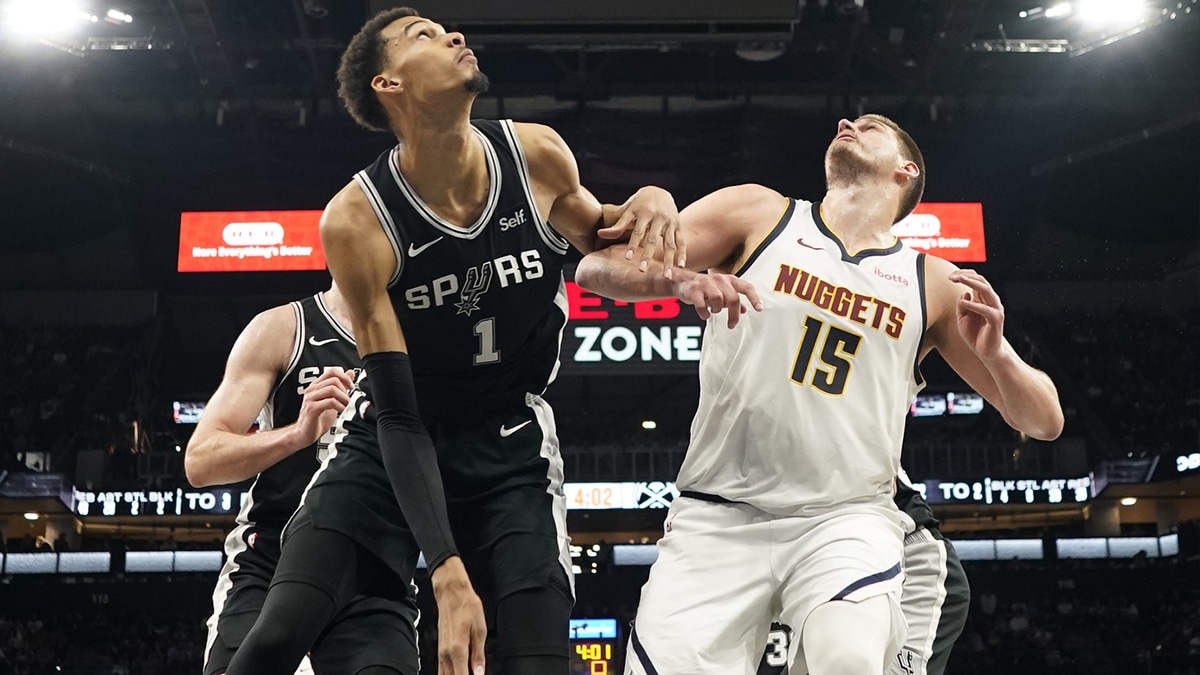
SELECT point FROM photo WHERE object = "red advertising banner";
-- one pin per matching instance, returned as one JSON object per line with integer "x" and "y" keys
{"x": 953, "y": 231}
{"x": 250, "y": 241}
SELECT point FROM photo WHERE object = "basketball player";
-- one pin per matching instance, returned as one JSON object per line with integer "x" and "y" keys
{"x": 449, "y": 248}
{"x": 935, "y": 598}
{"x": 289, "y": 367}
{"x": 786, "y": 491}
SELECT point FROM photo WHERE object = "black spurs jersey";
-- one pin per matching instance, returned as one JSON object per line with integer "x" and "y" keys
{"x": 482, "y": 307}
{"x": 320, "y": 342}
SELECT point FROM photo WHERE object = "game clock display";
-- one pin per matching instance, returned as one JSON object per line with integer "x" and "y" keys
{"x": 594, "y": 647}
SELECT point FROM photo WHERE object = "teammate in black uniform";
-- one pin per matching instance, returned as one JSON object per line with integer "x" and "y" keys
{"x": 289, "y": 367}
{"x": 935, "y": 598}
{"x": 449, "y": 236}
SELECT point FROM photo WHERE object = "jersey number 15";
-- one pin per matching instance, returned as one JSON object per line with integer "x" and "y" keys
{"x": 837, "y": 348}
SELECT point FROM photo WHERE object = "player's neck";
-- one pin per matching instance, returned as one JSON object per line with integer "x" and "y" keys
{"x": 444, "y": 161}
{"x": 336, "y": 306}
{"x": 860, "y": 215}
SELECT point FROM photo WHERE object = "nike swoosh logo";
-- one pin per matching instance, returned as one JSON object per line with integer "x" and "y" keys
{"x": 815, "y": 248}
{"x": 313, "y": 341}
{"x": 414, "y": 251}
{"x": 505, "y": 432}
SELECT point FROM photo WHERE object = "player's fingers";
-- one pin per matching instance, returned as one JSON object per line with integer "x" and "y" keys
{"x": 983, "y": 289}
{"x": 460, "y": 657}
{"x": 654, "y": 234}
{"x": 988, "y": 312}
{"x": 636, "y": 237}
{"x": 681, "y": 245}
{"x": 731, "y": 300}
{"x": 478, "y": 641}
{"x": 696, "y": 299}
{"x": 617, "y": 229}
{"x": 670, "y": 245}
{"x": 747, "y": 289}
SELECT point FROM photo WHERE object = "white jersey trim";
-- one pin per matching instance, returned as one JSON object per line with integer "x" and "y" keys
{"x": 337, "y": 325}
{"x": 489, "y": 209}
{"x": 550, "y": 451}
{"x": 234, "y": 546}
{"x": 553, "y": 239}
{"x": 385, "y": 221}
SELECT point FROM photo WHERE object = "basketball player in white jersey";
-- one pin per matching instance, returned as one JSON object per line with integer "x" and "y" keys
{"x": 786, "y": 492}
{"x": 291, "y": 368}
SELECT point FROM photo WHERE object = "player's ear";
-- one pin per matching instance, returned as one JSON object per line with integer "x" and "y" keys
{"x": 383, "y": 84}
{"x": 908, "y": 172}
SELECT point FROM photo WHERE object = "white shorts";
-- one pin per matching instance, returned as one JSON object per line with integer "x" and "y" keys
{"x": 724, "y": 571}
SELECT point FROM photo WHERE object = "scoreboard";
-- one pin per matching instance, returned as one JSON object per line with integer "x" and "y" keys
{"x": 594, "y": 647}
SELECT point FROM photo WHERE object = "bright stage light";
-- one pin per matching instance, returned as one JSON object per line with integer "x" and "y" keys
{"x": 1112, "y": 12}
{"x": 117, "y": 17}
{"x": 44, "y": 17}
{"x": 1061, "y": 9}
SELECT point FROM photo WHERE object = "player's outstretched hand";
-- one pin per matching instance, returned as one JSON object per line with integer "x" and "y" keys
{"x": 654, "y": 219}
{"x": 462, "y": 629}
{"x": 980, "y": 315}
{"x": 710, "y": 293}
{"x": 324, "y": 400}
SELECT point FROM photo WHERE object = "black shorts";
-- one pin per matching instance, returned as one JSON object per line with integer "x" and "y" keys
{"x": 241, "y": 589}
{"x": 502, "y": 475}
{"x": 375, "y": 613}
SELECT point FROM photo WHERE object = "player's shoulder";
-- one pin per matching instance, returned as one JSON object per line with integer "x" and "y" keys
{"x": 267, "y": 342}
{"x": 747, "y": 206}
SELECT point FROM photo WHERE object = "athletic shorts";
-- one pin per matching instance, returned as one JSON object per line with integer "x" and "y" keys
{"x": 502, "y": 476}
{"x": 251, "y": 557}
{"x": 935, "y": 600}
{"x": 375, "y": 613}
{"x": 725, "y": 570}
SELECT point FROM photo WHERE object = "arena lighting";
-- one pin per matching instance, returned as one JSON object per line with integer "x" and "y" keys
{"x": 31, "y": 516}
{"x": 649, "y": 424}
{"x": 1128, "y": 501}
{"x": 1061, "y": 9}
{"x": 1111, "y": 12}
{"x": 44, "y": 17}
{"x": 118, "y": 17}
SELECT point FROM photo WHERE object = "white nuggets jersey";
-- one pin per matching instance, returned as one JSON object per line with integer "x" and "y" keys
{"x": 802, "y": 406}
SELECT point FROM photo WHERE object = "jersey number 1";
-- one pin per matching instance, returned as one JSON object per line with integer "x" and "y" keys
{"x": 486, "y": 330}
{"x": 837, "y": 347}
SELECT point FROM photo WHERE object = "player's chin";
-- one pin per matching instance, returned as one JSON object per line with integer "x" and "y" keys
{"x": 477, "y": 83}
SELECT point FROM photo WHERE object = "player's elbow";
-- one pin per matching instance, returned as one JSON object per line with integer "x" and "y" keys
{"x": 589, "y": 272}
{"x": 195, "y": 467}
{"x": 1050, "y": 428}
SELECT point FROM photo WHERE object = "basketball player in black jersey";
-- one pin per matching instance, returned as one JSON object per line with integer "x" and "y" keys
{"x": 449, "y": 248}
{"x": 290, "y": 367}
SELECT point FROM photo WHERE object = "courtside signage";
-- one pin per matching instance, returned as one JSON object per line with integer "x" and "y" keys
{"x": 953, "y": 231}
{"x": 250, "y": 241}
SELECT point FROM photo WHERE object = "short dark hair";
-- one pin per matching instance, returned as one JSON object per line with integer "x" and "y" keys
{"x": 361, "y": 62}
{"x": 910, "y": 151}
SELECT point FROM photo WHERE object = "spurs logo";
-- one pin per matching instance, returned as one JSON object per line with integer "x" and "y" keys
{"x": 478, "y": 280}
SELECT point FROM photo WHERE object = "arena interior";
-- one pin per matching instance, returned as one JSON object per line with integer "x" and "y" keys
{"x": 1063, "y": 151}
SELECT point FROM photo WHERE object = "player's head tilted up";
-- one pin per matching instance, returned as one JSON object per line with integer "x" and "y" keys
{"x": 873, "y": 150}
{"x": 400, "y": 64}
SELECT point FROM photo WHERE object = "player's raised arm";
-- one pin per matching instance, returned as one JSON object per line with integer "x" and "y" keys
{"x": 722, "y": 229}
{"x": 648, "y": 220}
{"x": 221, "y": 451}
{"x": 362, "y": 262}
{"x": 968, "y": 331}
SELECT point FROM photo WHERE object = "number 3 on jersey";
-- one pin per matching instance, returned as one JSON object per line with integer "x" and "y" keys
{"x": 486, "y": 330}
{"x": 837, "y": 348}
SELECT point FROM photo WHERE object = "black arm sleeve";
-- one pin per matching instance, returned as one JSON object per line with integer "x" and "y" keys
{"x": 408, "y": 455}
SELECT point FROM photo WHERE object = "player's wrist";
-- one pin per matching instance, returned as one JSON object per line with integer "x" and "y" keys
{"x": 450, "y": 576}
